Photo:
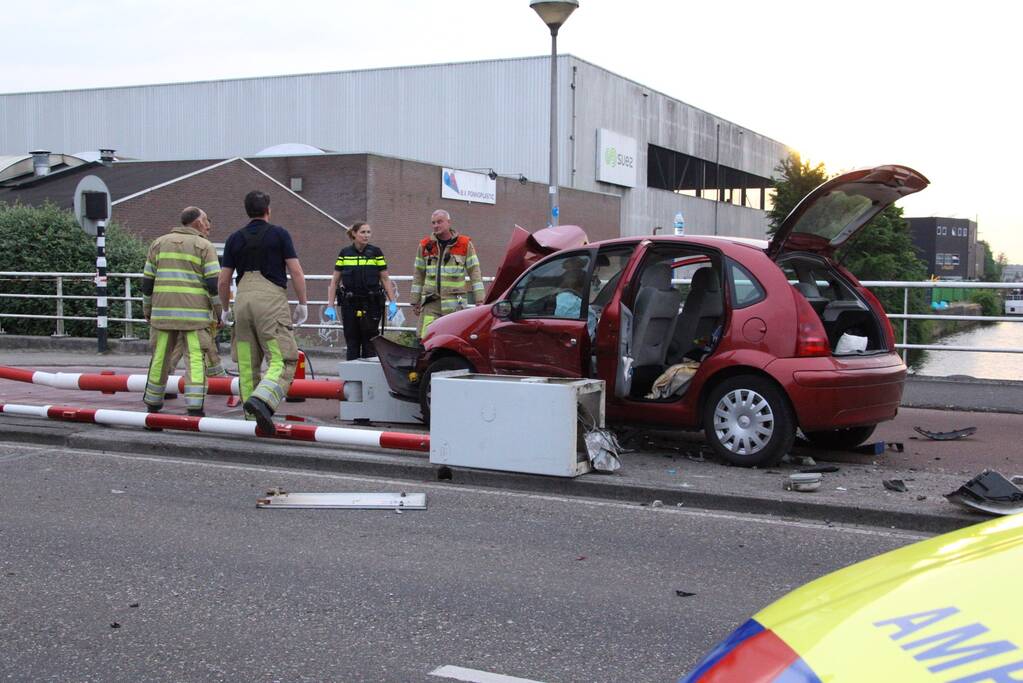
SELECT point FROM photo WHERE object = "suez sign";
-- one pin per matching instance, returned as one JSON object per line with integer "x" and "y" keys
{"x": 616, "y": 158}
{"x": 466, "y": 186}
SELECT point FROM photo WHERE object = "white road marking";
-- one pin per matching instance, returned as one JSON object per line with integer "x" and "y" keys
{"x": 476, "y": 676}
{"x": 406, "y": 484}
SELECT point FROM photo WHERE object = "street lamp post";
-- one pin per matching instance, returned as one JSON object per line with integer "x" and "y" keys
{"x": 554, "y": 13}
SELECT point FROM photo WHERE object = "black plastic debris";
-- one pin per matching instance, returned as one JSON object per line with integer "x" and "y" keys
{"x": 896, "y": 446}
{"x": 896, "y": 485}
{"x": 946, "y": 436}
{"x": 822, "y": 469}
{"x": 989, "y": 492}
{"x": 684, "y": 594}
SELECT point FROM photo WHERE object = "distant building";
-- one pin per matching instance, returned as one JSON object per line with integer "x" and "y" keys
{"x": 315, "y": 196}
{"x": 651, "y": 153}
{"x": 948, "y": 246}
{"x": 1012, "y": 272}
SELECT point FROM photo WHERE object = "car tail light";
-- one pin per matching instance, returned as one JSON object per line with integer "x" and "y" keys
{"x": 811, "y": 339}
{"x": 889, "y": 332}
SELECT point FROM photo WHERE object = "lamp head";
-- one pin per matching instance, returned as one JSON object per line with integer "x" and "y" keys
{"x": 554, "y": 13}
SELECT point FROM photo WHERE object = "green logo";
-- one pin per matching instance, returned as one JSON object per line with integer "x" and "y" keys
{"x": 611, "y": 157}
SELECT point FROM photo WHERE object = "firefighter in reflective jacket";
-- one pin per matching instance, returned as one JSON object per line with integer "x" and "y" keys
{"x": 179, "y": 286}
{"x": 443, "y": 261}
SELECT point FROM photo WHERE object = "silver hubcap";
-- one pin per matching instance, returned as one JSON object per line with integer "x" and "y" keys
{"x": 743, "y": 421}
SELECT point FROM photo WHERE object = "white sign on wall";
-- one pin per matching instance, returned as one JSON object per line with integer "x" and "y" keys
{"x": 616, "y": 158}
{"x": 466, "y": 186}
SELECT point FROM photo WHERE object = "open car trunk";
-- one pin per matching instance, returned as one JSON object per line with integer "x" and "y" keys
{"x": 852, "y": 324}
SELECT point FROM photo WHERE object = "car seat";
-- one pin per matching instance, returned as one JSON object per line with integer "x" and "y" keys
{"x": 656, "y": 310}
{"x": 703, "y": 309}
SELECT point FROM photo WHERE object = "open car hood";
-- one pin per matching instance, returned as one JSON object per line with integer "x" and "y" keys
{"x": 525, "y": 249}
{"x": 837, "y": 209}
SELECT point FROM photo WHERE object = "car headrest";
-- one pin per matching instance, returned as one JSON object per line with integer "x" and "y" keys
{"x": 706, "y": 279}
{"x": 808, "y": 290}
{"x": 657, "y": 275}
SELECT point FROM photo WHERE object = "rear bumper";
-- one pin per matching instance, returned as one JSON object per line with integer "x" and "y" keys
{"x": 831, "y": 393}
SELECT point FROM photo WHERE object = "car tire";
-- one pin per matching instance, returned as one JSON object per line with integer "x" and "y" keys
{"x": 840, "y": 439}
{"x": 748, "y": 421}
{"x": 442, "y": 364}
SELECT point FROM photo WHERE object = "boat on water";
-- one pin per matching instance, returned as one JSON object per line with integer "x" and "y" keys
{"x": 1014, "y": 302}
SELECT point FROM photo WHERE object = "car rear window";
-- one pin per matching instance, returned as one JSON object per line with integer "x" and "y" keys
{"x": 746, "y": 290}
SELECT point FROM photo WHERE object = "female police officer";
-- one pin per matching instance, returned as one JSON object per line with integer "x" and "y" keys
{"x": 361, "y": 272}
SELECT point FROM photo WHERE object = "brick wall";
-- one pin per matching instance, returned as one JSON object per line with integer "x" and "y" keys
{"x": 403, "y": 194}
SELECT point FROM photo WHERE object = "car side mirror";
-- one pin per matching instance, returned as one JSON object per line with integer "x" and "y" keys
{"x": 502, "y": 310}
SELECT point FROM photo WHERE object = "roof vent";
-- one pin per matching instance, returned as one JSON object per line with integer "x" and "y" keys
{"x": 40, "y": 162}
{"x": 106, "y": 156}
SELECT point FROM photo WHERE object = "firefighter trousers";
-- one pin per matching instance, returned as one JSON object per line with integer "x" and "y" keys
{"x": 163, "y": 342}
{"x": 211, "y": 357}
{"x": 262, "y": 331}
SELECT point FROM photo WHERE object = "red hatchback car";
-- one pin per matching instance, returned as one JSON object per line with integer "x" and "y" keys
{"x": 745, "y": 339}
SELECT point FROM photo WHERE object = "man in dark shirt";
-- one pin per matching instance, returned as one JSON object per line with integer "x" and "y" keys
{"x": 263, "y": 255}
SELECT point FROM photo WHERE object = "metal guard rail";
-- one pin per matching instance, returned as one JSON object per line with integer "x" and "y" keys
{"x": 129, "y": 320}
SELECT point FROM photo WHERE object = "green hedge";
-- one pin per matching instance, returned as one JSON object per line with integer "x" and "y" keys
{"x": 47, "y": 239}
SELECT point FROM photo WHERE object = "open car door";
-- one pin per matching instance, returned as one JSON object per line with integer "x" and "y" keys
{"x": 837, "y": 209}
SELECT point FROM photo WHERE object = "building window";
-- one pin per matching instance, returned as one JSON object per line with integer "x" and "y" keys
{"x": 955, "y": 259}
{"x": 689, "y": 175}
{"x": 937, "y": 230}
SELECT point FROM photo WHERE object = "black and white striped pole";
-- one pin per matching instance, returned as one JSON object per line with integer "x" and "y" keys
{"x": 101, "y": 286}
{"x": 92, "y": 210}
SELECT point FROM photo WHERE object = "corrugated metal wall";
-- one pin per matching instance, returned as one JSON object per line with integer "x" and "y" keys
{"x": 490, "y": 114}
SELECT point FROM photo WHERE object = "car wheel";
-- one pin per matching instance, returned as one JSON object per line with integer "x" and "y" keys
{"x": 442, "y": 364}
{"x": 748, "y": 421}
{"x": 841, "y": 439}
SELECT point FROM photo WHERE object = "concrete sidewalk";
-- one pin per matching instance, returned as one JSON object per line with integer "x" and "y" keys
{"x": 670, "y": 467}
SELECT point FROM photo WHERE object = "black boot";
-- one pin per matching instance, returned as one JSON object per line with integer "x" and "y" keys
{"x": 258, "y": 409}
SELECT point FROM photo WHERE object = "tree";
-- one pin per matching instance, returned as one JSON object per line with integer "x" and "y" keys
{"x": 797, "y": 179}
{"x": 992, "y": 269}
{"x": 47, "y": 239}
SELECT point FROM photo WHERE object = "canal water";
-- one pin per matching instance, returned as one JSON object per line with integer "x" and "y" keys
{"x": 980, "y": 365}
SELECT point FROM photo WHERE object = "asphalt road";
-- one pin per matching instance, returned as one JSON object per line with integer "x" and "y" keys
{"x": 202, "y": 586}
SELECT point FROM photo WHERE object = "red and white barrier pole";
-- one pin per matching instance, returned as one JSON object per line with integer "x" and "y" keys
{"x": 221, "y": 386}
{"x": 341, "y": 436}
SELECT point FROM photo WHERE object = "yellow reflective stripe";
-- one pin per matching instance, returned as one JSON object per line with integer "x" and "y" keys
{"x": 346, "y": 261}
{"x": 191, "y": 258}
{"x": 211, "y": 268}
{"x": 182, "y": 289}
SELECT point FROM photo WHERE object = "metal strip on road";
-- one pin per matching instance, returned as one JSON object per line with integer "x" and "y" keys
{"x": 746, "y": 518}
{"x": 459, "y": 673}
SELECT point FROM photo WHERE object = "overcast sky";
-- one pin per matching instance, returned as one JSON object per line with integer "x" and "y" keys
{"x": 932, "y": 85}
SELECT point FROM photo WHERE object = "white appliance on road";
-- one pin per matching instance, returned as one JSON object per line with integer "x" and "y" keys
{"x": 534, "y": 425}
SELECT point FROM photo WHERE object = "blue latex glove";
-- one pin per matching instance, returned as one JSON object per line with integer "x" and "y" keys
{"x": 392, "y": 309}
{"x": 330, "y": 313}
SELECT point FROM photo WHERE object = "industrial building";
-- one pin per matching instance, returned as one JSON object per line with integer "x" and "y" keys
{"x": 948, "y": 246}
{"x": 648, "y": 154}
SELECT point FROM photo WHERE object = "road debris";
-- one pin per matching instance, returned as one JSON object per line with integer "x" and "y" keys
{"x": 896, "y": 446}
{"x": 278, "y": 499}
{"x": 684, "y": 594}
{"x": 989, "y": 492}
{"x": 803, "y": 481}
{"x": 820, "y": 469}
{"x": 946, "y": 436}
{"x": 896, "y": 485}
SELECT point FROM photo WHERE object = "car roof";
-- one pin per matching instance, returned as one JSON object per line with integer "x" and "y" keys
{"x": 723, "y": 242}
